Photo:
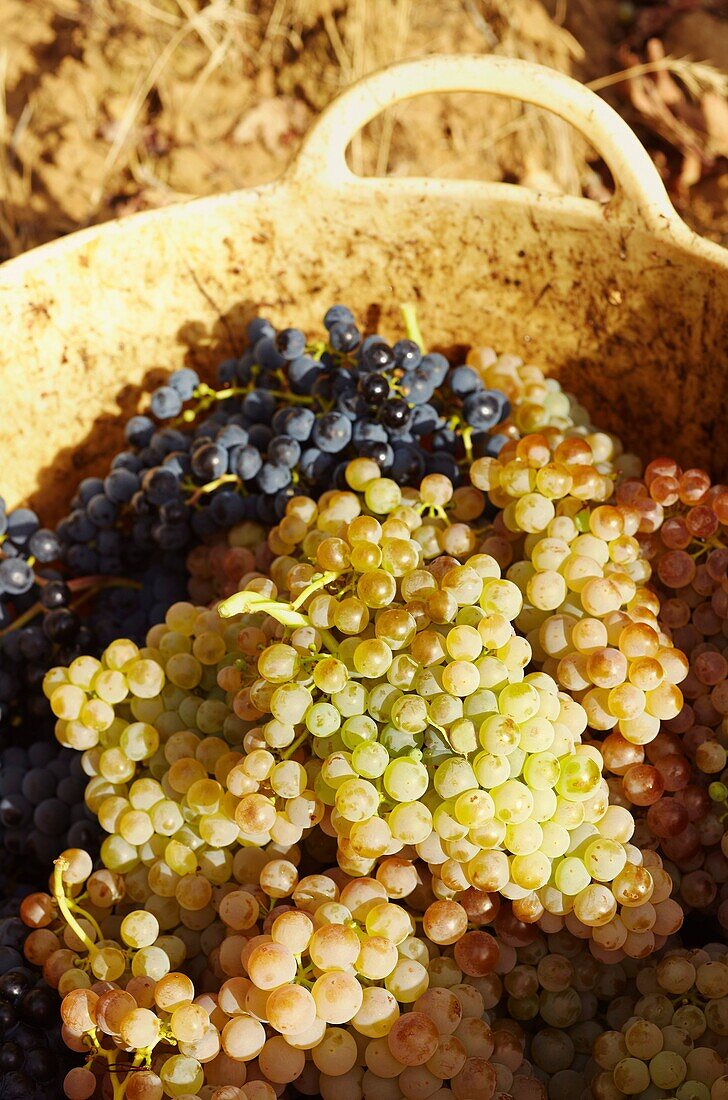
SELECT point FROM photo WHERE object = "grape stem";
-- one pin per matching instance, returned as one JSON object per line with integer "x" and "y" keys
{"x": 320, "y": 582}
{"x": 118, "y": 1086}
{"x": 466, "y": 435}
{"x": 411, "y": 324}
{"x": 96, "y": 583}
{"x": 435, "y": 511}
{"x": 296, "y": 745}
{"x": 247, "y": 603}
{"x": 316, "y": 349}
{"x": 59, "y": 894}
{"x": 226, "y": 479}
{"x": 206, "y": 396}
{"x": 87, "y": 916}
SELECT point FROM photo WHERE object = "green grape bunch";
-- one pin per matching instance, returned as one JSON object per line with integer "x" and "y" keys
{"x": 373, "y": 684}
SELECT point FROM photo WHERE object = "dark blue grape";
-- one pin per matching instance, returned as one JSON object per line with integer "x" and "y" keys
{"x": 425, "y": 419}
{"x": 291, "y": 343}
{"x": 174, "y": 512}
{"x": 82, "y": 834}
{"x": 442, "y": 463}
{"x": 283, "y": 450}
{"x": 232, "y": 435}
{"x": 408, "y": 464}
{"x": 331, "y": 432}
{"x": 126, "y": 460}
{"x": 21, "y": 524}
{"x": 227, "y": 372}
{"x": 38, "y": 1007}
{"x": 259, "y": 436}
{"x": 166, "y": 403}
{"x": 82, "y": 560}
{"x": 302, "y": 373}
{"x": 228, "y": 508}
{"x": 278, "y": 422}
{"x": 108, "y": 543}
{"x": 395, "y": 413}
{"x": 16, "y": 576}
{"x": 17, "y": 1086}
{"x": 8, "y": 686}
{"x": 10, "y": 959}
{"x": 160, "y": 484}
{"x": 267, "y": 355}
{"x": 11, "y": 1057}
{"x": 51, "y": 817}
{"x": 61, "y": 624}
{"x": 259, "y": 406}
{"x": 416, "y": 387}
{"x": 80, "y": 527}
{"x": 272, "y": 478}
{"x": 376, "y": 355}
{"x": 368, "y": 431}
{"x": 166, "y": 440}
{"x": 407, "y": 354}
{"x": 101, "y": 510}
{"x": 44, "y": 545}
{"x": 374, "y": 388}
{"x": 12, "y": 932}
{"x": 185, "y": 381}
{"x": 463, "y": 381}
{"x": 344, "y": 336}
{"x": 483, "y": 410}
{"x": 299, "y": 424}
{"x": 315, "y": 464}
{"x": 495, "y": 445}
{"x": 42, "y": 1064}
{"x": 245, "y": 462}
{"x": 203, "y": 523}
{"x": 120, "y": 485}
{"x": 338, "y": 314}
{"x": 139, "y": 430}
{"x": 15, "y": 984}
{"x": 179, "y": 463}
{"x": 259, "y": 328}
{"x": 352, "y": 406}
{"x": 55, "y": 594}
{"x": 382, "y": 453}
{"x": 435, "y": 367}
{"x": 38, "y": 784}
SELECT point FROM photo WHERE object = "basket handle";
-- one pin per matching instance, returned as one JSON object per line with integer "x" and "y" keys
{"x": 640, "y": 192}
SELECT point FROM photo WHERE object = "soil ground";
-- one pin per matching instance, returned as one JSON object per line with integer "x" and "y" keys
{"x": 113, "y": 106}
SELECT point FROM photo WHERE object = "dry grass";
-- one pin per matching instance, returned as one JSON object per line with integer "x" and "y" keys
{"x": 117, "y": 105}
{"x": 698, "y": 77}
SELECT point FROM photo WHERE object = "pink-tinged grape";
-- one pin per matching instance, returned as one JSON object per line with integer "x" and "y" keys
{"x": 413, "y": 1039}
{"x": 445, "y": 922}
{"x": 643, "y": 785}
{"x": 79, "y": 1084}
{"x": 476, "y": 953}
{"x": 144, "y": 1084}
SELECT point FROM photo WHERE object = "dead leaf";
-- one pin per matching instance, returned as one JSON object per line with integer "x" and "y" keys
{"x": 273, "y": 122}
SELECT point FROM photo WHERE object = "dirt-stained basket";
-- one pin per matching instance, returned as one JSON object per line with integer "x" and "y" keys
{"x": 622, "y": 302}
